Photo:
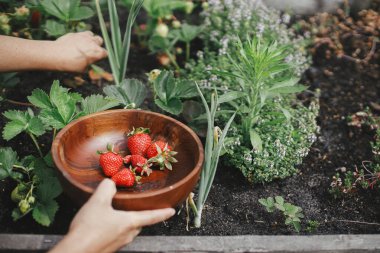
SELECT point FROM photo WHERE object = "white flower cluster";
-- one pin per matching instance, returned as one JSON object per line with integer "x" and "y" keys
{"x": 227, "y": 19}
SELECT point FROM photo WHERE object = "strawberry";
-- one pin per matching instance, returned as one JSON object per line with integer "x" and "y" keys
{"x": 152, "y": 150}
{"x": 161, "y": 153}
{"x": 140, "y": 165}
{"x": 110, "y": 161}
{"x": 139, "y": 141}
{"x": 124, "y": 178}
{"x": 127, "y": 159}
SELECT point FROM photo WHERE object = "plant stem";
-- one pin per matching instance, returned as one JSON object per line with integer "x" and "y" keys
{"x": 187, "y": 51}
{"x": 54, "y": 133}
{"x": 172, "y": 59}
{"x": 36, "y": 144}
{"x": 16, "y": 166}
{"x": 18, "y": 103}
{"x": 198, "y": 217}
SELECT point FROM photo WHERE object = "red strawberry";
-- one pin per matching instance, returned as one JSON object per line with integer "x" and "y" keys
{"x": 110, "y": 161}
{"x": 127, "y": 159}
{"x": 140, "y": 164}
{"x": 139, "y": 141}
{"x": 161, "y": 153}
{"x": 124, "y": 178}
{"x": 152, "y": 150}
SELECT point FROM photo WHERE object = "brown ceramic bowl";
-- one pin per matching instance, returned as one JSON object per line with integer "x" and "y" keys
{"x": 74, "y": 152}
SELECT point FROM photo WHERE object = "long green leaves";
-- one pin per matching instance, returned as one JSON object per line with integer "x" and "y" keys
{"x": 214, "y": 144}
{"x": 118, "y": 48}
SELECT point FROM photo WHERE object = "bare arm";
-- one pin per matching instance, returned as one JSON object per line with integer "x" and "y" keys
{"x": 97, "y": 227}
{"x": 72, "y": 52}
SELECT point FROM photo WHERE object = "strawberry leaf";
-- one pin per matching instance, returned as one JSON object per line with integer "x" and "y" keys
{"x": 130, "y": 91}
{"x": 8, "y": 158}
{"x": 173, "y": 106}
{"x": 18, "y": 116}
{"x": 12, "y": 129}
{"x": 44, "y": 212}
{"x": 97, "y": 103}
{"x": 51, "y": 117}
{"x": 40, "y": 99}
{"x": 36, "y": 127}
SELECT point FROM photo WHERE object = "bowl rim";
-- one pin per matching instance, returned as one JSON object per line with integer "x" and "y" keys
{"x": 125, "y": 195}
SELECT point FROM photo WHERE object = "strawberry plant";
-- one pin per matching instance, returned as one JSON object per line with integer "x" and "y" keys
{"x": 293, "y": 214}
{"x": 37, "y": 185}
{"x": 69, "y": 13}
{"x": 169, "y": 91}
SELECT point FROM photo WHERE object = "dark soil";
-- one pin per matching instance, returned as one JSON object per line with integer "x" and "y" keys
{"x": 232, "y": 207}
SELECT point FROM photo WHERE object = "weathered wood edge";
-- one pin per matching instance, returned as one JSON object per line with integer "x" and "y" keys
{"x": 244, "y": 243}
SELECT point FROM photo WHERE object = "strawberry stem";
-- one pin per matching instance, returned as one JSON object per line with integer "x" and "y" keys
{"x": 36, "y": 144}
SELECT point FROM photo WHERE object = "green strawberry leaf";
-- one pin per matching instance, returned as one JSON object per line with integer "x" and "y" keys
{"x": 44, "y": 212}
{"x": 185, "y": 89}
{"x": 12, "y": 129}
{"x": 129, "y": 91}
{"x": 51, "y": 117}
{"x": 97, "y": 103}
{"x": 81, "y": 13}
{"x": 8, "y": 158}
{"x": 18, "y": 116}
{"x": 189, "y": 32}
{"x": 40, "y": 99}
{"x": 36, "y": 126}
{"x": 174, "y": 106}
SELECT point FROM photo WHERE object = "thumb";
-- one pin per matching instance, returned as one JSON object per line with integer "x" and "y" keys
{"x": 104, "y": 193}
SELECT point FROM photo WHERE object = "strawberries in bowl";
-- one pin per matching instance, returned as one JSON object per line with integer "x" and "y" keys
{"x": 74, "y": 151}
{"x": 143, "y": 155}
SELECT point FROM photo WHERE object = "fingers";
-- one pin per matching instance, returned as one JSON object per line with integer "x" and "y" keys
{"x": 88, "y": 33}
{"x": 145, "y": 218}
{"x": 104, "y": 193}
{"x": 98, "y": 40}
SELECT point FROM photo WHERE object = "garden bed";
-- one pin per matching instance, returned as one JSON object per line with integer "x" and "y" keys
{"x": 232, "y": 208}
{"x": 232, "y": 212}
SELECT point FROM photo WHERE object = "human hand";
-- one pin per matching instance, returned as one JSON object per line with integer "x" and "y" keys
{"x": 97, "y": 227}
{"x": 75, "y": 51}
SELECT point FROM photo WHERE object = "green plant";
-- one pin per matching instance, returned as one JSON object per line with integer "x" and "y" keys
{"x": 69, "y": 14}
{"x": 293, "y": 214}
{"x": 367, "y": 176}
{"x": 285, "y": 142}
{"x": 37, "y": 185}
{"x": 163, "y": 30}
{"x": 262, "y": 74}
{"x": 214, "y": 144}
{"x": 129, "y": 92}
{"x": 312, "y": 226}
{"x": 186, "y": 34}
{"x": 284, "y": 128}
{"x": 169, "y": 92}
{"x": 118, "y": 45}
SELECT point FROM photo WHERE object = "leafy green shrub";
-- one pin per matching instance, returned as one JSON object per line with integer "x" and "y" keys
{"x": 37, "y": 185}
{"x": 284, "y": 142}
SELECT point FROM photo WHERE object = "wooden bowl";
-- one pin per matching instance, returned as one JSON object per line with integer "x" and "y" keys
{"x": 74, "y": 152}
